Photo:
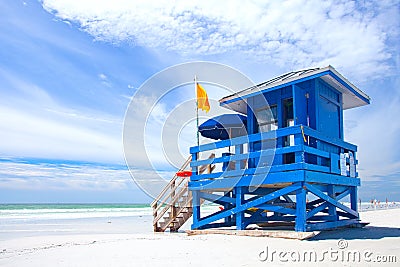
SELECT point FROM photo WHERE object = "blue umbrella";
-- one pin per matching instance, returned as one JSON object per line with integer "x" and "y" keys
{"x": 224, "y": 126}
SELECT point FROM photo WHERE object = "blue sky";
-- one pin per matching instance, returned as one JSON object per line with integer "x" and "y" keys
{"x": 68, "y": 70}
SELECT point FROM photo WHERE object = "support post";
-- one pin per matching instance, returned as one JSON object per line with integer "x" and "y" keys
{"x": 299, "y": 140}
{"x": 228, "y": 219}
{"x": 195, "y": 197}
{"x": 155, "y": 216}
{"x": 239, "y": 201}
{"x": 173, "y": 208}
{"x": 353, "y": 198}
{"x": 332, "y": 208}
{"x": 300, "y": 225}
{"x": 239, "y": 150}
{"x": 196, "y": 208}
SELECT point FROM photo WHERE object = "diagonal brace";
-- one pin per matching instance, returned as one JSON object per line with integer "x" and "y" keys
{"x": 332, "y": 201}
{"x": 249, "y": 204}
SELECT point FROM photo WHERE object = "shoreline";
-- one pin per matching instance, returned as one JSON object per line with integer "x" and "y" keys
{"x": 128, "y": 241}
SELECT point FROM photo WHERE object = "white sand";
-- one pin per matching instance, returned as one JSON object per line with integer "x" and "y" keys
{"x": 380, "y": 238}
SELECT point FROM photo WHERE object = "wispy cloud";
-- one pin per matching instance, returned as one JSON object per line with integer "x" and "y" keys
{"x": 353, "y": 36}
{"x": 376, "y": 132}
{"x": 74, "y": 176}
{"x": 104, "y": 79}
{"x": 16, "y": 174}
{"x": 33, "y": 123}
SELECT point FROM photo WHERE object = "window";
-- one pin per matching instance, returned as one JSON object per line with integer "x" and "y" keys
{"x": 288, "y": 120}
{"x": 267, "y": 119}
{"x": 288, "y": 117}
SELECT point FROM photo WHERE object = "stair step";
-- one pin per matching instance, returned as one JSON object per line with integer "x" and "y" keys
{"x": 169, "y": 218}
{"x": 178, "y": 218}
{"x": 178, "y": 221}
{"x": 172, "y": 224}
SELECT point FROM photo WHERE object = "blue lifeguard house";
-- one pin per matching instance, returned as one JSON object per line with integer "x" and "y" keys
{"x": 290, "y": 165}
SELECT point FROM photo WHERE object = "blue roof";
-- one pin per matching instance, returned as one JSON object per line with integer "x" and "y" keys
{"x": 352, "y": 96}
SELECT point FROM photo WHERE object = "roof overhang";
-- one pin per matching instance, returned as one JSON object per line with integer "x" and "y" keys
{"x": 352, "y": 96}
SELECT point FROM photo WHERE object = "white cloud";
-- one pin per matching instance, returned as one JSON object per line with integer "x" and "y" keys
{"x": 104, "y": 79}
{"x": 23, "y": 134}
{"x": 50, "y": 176}
{"x": 33, "y": 124}
{"x": 353, "y": 36}
{"x": 16, "y": 174}
{"x": 376, "y": 133}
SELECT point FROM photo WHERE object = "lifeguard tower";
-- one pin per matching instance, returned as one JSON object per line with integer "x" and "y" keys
{"x": 288, "y": 163}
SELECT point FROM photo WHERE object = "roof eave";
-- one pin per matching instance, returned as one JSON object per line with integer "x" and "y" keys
{"x": 359, "y": 97}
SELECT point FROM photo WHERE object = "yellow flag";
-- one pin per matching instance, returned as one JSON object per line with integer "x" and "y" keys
{"x": 202, "y": 98}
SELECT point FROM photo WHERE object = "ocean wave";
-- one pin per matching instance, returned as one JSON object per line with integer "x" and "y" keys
{"x": 64, "y": 213}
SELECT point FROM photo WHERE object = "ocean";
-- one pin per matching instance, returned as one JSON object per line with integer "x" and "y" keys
{"x": 21, "y": 220}
{"x": 23, "y": 213}
{"x": 28, "y": 213}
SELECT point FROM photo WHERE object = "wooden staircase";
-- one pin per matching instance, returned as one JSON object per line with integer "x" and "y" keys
{"x": 173, "y": 206}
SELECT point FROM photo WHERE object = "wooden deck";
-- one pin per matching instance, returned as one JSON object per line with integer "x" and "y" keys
{"x": 256, "y": 233}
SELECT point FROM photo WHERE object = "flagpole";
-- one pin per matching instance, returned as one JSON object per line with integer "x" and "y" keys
{"x": 197, "y": 111}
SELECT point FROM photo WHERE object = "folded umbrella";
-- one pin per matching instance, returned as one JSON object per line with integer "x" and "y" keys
{"x": 224, "y": 127}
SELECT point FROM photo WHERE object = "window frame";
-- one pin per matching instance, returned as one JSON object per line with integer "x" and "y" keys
{"x": 272, "y": 122}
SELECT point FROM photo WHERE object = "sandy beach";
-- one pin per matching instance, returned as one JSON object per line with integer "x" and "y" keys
{"x": 129, "y": 241}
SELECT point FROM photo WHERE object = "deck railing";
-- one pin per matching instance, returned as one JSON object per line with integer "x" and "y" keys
{"x": 308, "y": 150}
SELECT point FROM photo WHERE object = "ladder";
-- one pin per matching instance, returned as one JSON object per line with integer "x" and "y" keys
{"x": 173, "y": 206}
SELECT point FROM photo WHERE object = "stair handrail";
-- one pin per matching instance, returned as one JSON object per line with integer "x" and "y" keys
{"x": 156, "y": 206}
{"x": 164, "y": 200}
{"x": 157, "y": 199}
{"x": 173, "y": 200}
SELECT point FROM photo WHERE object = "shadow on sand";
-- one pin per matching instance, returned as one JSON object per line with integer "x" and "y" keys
{"x": 368, "y": 232}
